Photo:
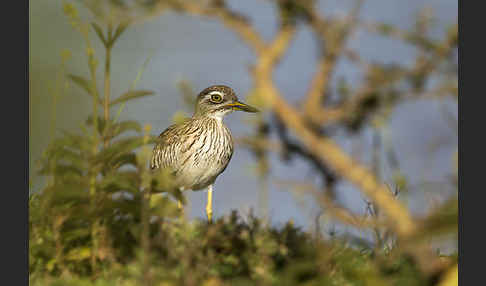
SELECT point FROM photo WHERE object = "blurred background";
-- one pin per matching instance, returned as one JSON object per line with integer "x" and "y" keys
{"x": 410, "y": 143}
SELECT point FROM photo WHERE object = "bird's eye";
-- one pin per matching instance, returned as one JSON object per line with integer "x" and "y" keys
{"x": 216, "y": 98}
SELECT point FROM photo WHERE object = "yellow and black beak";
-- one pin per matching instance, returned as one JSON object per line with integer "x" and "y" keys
{"x": 237, "y": 105}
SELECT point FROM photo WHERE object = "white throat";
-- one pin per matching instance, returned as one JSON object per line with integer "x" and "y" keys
{"x": 219, "y": 115}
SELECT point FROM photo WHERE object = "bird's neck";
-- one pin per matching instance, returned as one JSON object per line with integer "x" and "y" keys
{"x": 218, "y": 116}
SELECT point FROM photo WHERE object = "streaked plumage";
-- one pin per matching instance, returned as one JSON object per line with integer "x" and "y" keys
{"x": 199, "y": 149}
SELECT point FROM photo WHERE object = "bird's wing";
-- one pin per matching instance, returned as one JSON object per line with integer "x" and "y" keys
{"x": 170, "y": 142}
{"x": 160, "y": 147}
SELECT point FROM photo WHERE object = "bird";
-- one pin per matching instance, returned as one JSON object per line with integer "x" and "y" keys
{"x": 199, "y": 149}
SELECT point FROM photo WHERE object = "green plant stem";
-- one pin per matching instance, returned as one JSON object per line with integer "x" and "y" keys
{"x": 145, "y": 217}
{"x": 145, "y": 239}
{"x": 93, "y": 171}
{"x": 52, "y": 127}
{"x": 107, "y": 84}
{"x": 106, "y": 105}
{"x": 94, "y": 228}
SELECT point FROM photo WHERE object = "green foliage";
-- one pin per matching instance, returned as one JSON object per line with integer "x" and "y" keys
{"x": 231, "y": 251}
{"x": 131, "y": 95}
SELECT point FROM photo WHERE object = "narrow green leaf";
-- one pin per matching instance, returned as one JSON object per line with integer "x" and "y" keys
{"x": 101, "y": 123}
{"x": 99, "y": 32}
{"x": 119, "y": 30}
{"x": 119, "y": 148}
{"x": 124, "y": 126}
{"x": 120, "y": 181}
{"x": 131, "y": 95}
{"x": 72, "y": 191}
{"x": 124, "y": 159}
{"x": 84, "y": 84}
{"x": 71, "y": 141}
{"x": 61, "y": 170}
{"x": 73, "y": 157}
{"x": 114, "y": 129}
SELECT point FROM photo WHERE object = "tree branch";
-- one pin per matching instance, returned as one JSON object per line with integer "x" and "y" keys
{"x": 234, "y": 21}
{"x": 335, "y": 37}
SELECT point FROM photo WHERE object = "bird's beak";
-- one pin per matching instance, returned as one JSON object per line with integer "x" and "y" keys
{"x": 237, "y": 105}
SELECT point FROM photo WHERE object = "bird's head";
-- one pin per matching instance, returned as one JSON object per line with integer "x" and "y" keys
{"x": 219, "y": 100}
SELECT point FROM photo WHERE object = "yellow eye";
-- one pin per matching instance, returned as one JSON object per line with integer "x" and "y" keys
{"x": 216, "y": 98}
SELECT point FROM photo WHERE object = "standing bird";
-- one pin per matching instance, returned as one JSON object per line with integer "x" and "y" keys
{"x": 200, "y": 148}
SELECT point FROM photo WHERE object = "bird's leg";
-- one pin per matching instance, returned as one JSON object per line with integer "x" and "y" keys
{"x": 179, "y": 205}
{"x": 209, "y": 204}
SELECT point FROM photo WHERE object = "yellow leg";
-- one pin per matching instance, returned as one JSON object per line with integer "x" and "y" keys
{"x": 209, "y": 204}
{"x": 179, "y": 205}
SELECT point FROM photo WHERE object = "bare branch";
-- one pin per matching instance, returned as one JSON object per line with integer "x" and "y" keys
{"x": 234, "y": 21}
{"x": 324, "y": 148}
{"x": 335, "y": 37}
{"x": 277, "y": 48}
{"x": 329, "y": 152}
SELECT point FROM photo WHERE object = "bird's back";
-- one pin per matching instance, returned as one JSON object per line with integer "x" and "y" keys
{"x": 197, "y": 151}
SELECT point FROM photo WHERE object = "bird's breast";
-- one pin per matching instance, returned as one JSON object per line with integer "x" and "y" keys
{"x": 205, "y": 155}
